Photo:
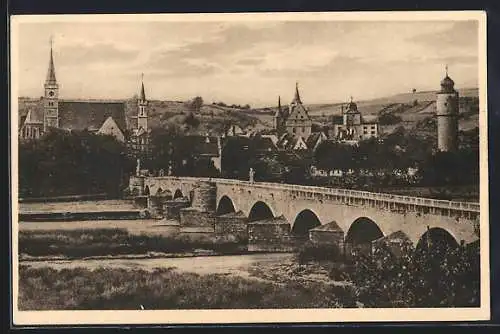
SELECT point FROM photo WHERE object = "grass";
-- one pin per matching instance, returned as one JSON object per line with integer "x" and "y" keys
{"x": 113, "y": 289}
{"x": 111, "y": 242}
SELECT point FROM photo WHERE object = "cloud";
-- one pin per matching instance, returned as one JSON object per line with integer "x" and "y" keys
{"x": 81, "y": 54}
{"x": 461, "y": 34}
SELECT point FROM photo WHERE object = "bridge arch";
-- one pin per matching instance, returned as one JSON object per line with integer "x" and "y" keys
{"x": 226, "y": 205}
{"x": 259, "y": 211}
{"x": 304, "y": 221}
{"x": 159, "y": 191}
{"x": 438, "y": 240}
{"x": 178, "y": 194}
{"x": 362, "y": 231}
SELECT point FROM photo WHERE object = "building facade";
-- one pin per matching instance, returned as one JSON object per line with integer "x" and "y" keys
{"x": 447, "y": 110}
{"x": 294, "y": 120}
{"x": 354, "y": 127}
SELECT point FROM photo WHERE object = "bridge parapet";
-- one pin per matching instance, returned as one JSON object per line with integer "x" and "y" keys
{"x": 337, "y": 194}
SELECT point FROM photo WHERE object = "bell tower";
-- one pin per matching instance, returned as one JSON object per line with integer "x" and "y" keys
{"x": 51, "y": 96}
{"x": 142, "y": 116}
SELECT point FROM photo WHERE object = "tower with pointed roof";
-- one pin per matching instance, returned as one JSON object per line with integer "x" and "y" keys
{"x": 51, "y": 96}
{"x": 142, "y": 115}
{"x": 447, "y": 115}
{"x": 279, "y": 118}
{"x": 297, "y": 121}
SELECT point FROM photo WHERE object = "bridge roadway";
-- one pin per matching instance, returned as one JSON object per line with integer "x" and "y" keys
{"x": 354, "y": 212}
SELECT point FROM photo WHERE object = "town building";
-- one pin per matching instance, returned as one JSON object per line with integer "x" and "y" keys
{"x": 289, "y": 142}
{"x": 295, "y": 119}
{"x": 354, "y": 126}
{"x": 105, "y": 117}
{"x": 447, "y": 109}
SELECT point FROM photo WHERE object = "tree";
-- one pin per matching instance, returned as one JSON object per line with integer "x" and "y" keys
{"x": 80, "y": 162}
{"x": 196, "y": 104}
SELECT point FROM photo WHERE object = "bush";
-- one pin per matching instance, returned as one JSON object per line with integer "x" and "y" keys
{"x": 313, "y": 252}
{"x": 418, "y": 279}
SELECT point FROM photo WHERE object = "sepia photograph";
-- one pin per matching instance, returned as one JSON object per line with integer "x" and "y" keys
{"x": 246, "y": 168}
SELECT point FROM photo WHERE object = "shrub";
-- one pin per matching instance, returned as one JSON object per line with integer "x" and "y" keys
{"x": 314, "y": 252}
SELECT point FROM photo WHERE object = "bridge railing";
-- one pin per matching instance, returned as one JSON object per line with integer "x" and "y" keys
{"x": 408, "y": 200}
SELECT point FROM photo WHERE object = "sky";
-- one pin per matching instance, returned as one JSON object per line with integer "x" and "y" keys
{"x": 247, "y": 61}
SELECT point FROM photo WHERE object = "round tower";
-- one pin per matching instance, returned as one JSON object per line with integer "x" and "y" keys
{"x": 447, "y": 115}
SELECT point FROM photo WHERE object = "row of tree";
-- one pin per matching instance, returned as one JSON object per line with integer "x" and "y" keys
{"x": 397, "y": 153}
{"x": 64, "y": 163}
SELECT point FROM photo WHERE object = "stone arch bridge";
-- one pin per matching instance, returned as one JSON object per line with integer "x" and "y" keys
{"x": 358, "y": 214}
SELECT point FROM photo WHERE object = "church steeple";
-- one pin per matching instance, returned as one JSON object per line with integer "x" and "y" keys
{"x": 51, "y": 97}
{"x": 51, "y": 73}
{"x": 143, "y": 94}
{"x": 296, "y": 99}
{"x": 142, "y": 116}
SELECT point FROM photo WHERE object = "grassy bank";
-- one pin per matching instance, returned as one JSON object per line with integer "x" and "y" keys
{"x": 112, "y": 242}
{"x": 82, "y": 289}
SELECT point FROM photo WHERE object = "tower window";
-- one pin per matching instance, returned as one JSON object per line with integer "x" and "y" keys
{"x": 294, "y": 130}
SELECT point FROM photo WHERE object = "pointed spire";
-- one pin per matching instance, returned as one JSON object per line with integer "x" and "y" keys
{"x": 51, "y": 73}
{"x": 446, "y": 69}
{"x": 297, "y": 95}
{"x": 279, "y": 103}
{"x": 143, "y": 94}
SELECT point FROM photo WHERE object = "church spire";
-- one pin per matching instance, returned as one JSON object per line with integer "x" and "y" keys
{"x": 279, "y": 103}
{"x": 51, "y": 73}
{"x": 143, "y": 94}
{"x": 297, "y": 95}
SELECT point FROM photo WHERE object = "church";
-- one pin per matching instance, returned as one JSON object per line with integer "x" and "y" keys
{"x": 97, "y": 116}
{"x": 294, "y": 120}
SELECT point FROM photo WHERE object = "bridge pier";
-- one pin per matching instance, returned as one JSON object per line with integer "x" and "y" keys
{"x": 200, "y": 217}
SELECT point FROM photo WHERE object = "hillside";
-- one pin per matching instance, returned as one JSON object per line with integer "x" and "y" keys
{"x": 211, "y": 118}
{"x": 412, "y": 108}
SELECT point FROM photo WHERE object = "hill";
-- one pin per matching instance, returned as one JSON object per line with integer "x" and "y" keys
{"x": 412, "y": 108}
{"x": 210, "y": 118}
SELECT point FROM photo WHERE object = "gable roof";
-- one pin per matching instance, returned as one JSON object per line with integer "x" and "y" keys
{"x": 109, "y": 123}
{"x": 297, "y": 110}
{"x": 34, "y": 116}
{"x": 313, "y": 139}
{"x": 81, "y": 115}
{"x": 290, "y": 142}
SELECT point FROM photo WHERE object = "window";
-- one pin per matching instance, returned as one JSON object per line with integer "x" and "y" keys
{"x": 294, "y": 130}
{"x": 373, "y": 132}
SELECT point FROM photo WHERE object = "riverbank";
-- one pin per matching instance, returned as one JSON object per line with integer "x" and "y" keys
{"x": 115, "y": 242}
{"x": 201, "y": 283}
